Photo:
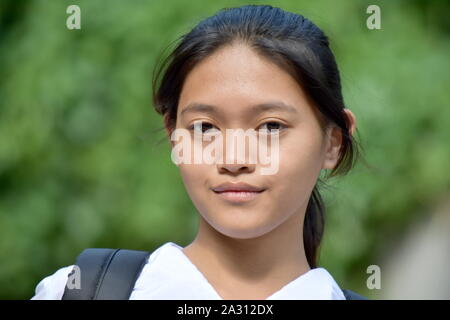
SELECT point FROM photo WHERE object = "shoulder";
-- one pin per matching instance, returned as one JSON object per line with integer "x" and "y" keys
{"x": 350, "y": 295}
{"x": 52, "y": 287}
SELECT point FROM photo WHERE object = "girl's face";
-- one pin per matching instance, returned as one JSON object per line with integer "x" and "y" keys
{"x": 233, "y": 80}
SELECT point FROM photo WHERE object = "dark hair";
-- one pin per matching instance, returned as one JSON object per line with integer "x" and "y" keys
{"x": 296, "y": 45}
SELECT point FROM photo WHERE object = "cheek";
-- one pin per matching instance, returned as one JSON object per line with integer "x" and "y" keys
{"x": 195, "y": 179}
{"x": 300, "y": 163}
{"x": 193, "y": 175}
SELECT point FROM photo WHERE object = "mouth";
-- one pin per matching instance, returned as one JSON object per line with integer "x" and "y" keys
{"x": 238, "y": 192}
{"x": 238, "y": 196}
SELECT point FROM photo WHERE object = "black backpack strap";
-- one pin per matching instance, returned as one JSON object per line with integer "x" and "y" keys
{"x": 350, "y": 295}
{"x": 107, "y": 274}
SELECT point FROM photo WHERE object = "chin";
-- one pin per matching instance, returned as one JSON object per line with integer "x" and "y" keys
{"x": 244, "y": 230}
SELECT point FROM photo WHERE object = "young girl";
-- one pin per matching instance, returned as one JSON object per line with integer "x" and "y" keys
{"x": 262, "y": 68}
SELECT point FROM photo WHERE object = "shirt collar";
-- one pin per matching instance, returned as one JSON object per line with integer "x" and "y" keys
{"x": 169, "y": 274}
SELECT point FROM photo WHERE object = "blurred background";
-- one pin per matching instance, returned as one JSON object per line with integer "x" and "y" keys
{"x": 82, "y": 165}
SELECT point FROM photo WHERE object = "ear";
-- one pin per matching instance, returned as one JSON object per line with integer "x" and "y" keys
{"x": 351, "y": 120}
{"x": 334, "y": 140}
{"x": 332, "y": 146}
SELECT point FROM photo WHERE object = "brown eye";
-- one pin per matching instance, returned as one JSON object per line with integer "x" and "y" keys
{"x": 201, "y": 126}
{"x": 271, "y": 126}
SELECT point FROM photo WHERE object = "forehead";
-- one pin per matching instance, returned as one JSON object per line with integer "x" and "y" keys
{"x": 236, "y": 76}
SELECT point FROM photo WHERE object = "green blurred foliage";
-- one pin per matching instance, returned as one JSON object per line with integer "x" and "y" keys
{"x": 80, "y": 162}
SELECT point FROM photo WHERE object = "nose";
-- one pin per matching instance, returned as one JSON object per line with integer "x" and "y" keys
{"x": 237, "y": 158}
{"x": 236, "y": 168}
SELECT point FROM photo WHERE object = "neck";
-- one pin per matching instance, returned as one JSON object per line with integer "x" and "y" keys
{"x": 272, "y": 260}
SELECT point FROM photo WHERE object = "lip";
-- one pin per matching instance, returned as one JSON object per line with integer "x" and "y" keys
{"x": 237, "y": 192}
{"x": 239, "y": 186}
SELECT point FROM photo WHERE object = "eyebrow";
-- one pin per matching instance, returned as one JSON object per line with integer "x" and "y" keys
{"x": 258, "y": 108}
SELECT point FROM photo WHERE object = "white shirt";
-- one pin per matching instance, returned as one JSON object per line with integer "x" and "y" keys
{"x": 170, "y": 275}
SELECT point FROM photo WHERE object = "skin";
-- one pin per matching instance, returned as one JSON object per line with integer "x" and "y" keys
{"x": 251, "y": 250}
